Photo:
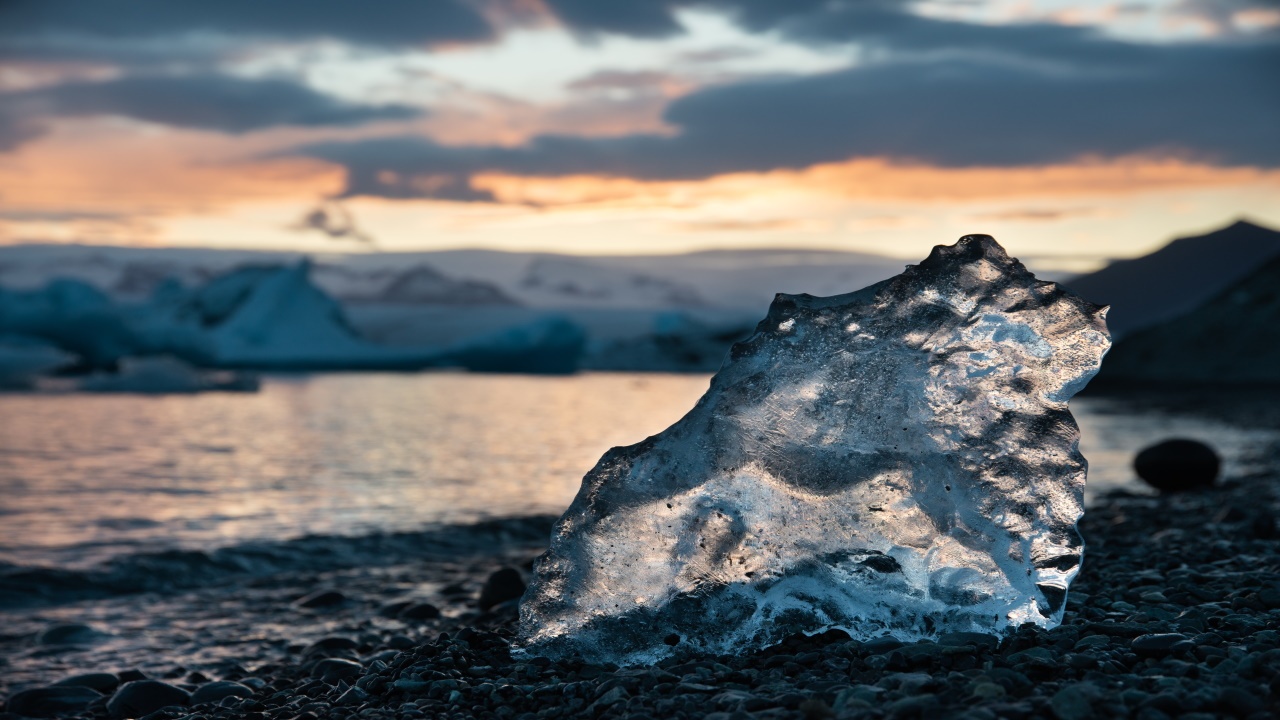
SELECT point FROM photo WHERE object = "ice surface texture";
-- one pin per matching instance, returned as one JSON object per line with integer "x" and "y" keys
{"x": 898, "y": 460}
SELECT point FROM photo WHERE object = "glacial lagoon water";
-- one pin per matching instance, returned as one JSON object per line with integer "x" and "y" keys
{"x": 88, "y": 478}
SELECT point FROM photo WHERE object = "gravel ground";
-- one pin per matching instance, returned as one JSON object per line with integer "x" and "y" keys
{"x": 1176, "y": 614}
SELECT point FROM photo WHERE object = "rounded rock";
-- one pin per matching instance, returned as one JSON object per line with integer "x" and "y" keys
{"x": 104, "y": 683}
{"x": 141, "y": 697}
{"x": 1178, "y": 465}
{"x": 1070, "y": 704}
{"x": 331, "y": 647}
{"x": 420, "y": 611}
{"x": 503, "y": 585}
{"x": 331, "y": 670}
{"x": 126, "y": 676}
{"x": 1157, "y": 644}
{"x": 212, "y": 692}
{"x": 51, "y": 701}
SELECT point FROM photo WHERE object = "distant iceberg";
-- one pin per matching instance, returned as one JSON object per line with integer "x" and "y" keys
{"x": 254, "y": 318}
{"x": 23, "y": 360}
{"x": 73, "y": 316}
{"x": 166, "y": 375}
{"x": 676, "y": 342}
{"x": 268, "y": 318}
{"x": 551, "y": 346}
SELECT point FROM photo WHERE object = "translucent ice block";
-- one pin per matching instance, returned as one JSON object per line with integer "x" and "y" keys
{"x": 895, "y": 461}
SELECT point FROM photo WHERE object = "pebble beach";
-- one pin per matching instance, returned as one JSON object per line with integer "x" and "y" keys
{"x": 1176, "y": 614}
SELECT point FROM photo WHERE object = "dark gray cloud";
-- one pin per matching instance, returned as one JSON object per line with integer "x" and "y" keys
{"x": 333, "y": 220}
{"x": 215, "y": 102}
{"x": 876, "y": 24}
{"x": 638, "y": 18}
{"x": 888, "y": 24}
{"x": 1214, "y": 102}
{"x": 385, "y": 22}
{"x": 207, "y": 102}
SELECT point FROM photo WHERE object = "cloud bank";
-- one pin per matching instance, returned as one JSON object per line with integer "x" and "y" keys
{"x": 1206, "y": 102}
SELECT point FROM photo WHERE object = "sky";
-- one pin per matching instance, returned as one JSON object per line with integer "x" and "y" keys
{"x": 1072, "y": 131}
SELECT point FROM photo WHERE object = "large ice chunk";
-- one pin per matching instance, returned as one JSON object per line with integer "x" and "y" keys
{"x": 898, "y": 460}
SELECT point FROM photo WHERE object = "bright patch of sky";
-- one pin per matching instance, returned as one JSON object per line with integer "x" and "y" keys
{"x": 1142, "y": 20}
{"x": 540, "y": 64}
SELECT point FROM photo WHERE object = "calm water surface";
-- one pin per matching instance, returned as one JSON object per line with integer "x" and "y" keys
{"x": 84, "y": 477}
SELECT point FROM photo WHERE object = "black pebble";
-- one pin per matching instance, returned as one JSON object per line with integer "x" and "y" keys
{"x": 1178, "y": 465}
{"x": 212, "y": 692}
{"x": 877, "y": 646}
{"x": 1158, "y": 644}
{"x": 142, "y": 697}
{"x": 102, "y": 682}
{"x": 51, "y": 701}
{"x": 503, "y": 585}
{"x": 335, "y": 646}
{"x": 331, "y": 670}
{"x": 672, "y": 639}
{"x": 420, "y": 611}
{"x": 1263, "y": 526}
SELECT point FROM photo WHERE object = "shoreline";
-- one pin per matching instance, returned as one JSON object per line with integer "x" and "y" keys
{"x": 1174, "y": 614}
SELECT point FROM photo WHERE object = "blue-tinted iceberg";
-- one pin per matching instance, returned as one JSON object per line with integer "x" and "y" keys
{"x": 73, "y": 316}
{"x": 267, "y": 317}
{"x": 899, "y": 460}
{"x": 549, "y": 346}
{"x": 23, "y": 360}
{"x": 164, "y": 375}
{"x": 255, "y": 318}
{"x": 675, "y": 342}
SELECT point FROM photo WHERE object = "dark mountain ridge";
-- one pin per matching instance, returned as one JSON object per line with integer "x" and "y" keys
{"x": 1234, "y": 338}
{"x": 1178, "y": 277}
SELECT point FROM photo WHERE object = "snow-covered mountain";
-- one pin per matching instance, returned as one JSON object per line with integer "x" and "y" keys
{"x": 419, "y": 285}
{"x": 739, "y": 280}
{"x": 554, "y": 281}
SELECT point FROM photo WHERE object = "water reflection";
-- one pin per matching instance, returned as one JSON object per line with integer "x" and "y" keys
{"x": 90, "y": 476}
{"x": 85, "y": 477}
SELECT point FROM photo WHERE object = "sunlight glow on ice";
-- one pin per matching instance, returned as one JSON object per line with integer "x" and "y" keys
{"x": 921, "y": 476}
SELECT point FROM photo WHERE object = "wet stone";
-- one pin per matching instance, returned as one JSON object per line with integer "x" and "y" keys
{"x": 1159, "y": 644}
{"x": 51, "y": 701}
{"x": 1178, "y": 465}
{"x": 331, "y": 670}
{"x": 502, "y": 586}
{"x": 104, "y": 683}
{"x": 1070, "y": 704}
{"x": 420, "y": 611}
{"x": 331, "y": 647}
{"x": 141, "y": 697}
{"x": 212, "y": 692}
